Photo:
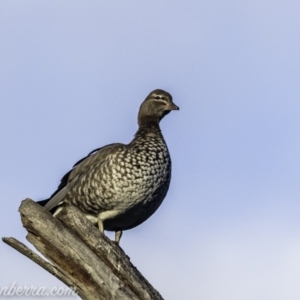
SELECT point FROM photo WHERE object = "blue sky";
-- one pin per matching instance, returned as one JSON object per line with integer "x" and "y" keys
{"x": 72, "y": 77}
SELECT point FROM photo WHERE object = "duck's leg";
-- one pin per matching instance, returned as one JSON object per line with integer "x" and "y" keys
{"x": 106, "y": 215}
{"x": 118, "y": 235}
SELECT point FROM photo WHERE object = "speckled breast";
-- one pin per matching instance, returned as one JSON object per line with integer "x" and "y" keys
{"x": 142, "y": 177}
{"x": 134, "y": 181}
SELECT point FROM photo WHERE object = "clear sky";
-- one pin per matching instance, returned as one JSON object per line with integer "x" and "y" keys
{"x": 72, "y": 77}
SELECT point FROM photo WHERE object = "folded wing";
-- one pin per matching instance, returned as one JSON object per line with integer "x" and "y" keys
{"x": 81, "y": 167}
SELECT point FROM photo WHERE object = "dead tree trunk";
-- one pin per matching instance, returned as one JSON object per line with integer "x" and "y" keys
{"x": 80, "y": 255}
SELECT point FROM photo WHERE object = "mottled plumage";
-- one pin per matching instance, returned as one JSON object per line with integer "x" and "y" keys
{"x": 120, "y": 186}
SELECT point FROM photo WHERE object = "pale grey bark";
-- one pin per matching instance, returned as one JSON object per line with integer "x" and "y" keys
{"x": 80, "y": 255}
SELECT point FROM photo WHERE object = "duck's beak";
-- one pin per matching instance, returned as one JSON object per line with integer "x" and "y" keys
{"x": 172, "y": 106}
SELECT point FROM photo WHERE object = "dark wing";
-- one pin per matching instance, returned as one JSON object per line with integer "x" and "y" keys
{"x": 69, "y": 180}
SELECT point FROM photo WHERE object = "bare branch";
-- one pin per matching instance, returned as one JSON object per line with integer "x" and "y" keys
{"x": 82, "y": 257}
{"x": 55, "y": 271}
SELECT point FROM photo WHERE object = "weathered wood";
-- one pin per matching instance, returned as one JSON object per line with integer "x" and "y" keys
{"x": 54, "y": 270}
{"x": 117, "y": 260}
{"x": 82, "y": 257}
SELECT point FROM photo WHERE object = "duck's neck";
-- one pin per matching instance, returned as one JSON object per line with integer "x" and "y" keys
{"x": 148, "y": 129}
{"x": 148, "y": 121}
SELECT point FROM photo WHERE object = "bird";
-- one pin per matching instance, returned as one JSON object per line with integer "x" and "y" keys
{"x": 119, "y": 186}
